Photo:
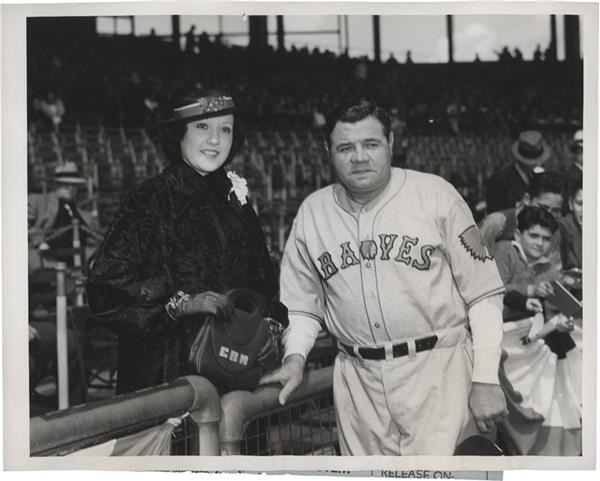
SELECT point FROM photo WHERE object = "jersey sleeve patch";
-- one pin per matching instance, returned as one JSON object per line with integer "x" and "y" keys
{"x": 474, "y": 244}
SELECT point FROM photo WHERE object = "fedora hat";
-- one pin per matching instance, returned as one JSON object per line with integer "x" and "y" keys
{"x": 531, "y": 149}
{"x": 200, "y": 105}
{"x": 68, "y": 173}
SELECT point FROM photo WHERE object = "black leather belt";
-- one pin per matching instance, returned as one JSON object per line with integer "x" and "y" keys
{"x": 398, "y": 350}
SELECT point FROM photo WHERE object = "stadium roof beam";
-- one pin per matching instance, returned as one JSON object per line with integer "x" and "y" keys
{"x": 376, "y": 39}
{"x": 176, "y": 28}
{"x": 572, "y": 39}
{"x": 257, "y": 28}
{"x": 450, "y": 33}
{"x": 280, "y": 34}
{"x": 552, "y": 49}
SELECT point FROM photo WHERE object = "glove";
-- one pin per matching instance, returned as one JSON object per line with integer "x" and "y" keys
{"x": 208, "y": 302}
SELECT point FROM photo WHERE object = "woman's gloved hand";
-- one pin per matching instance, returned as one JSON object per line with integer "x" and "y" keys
{"x": 211, "y": 303}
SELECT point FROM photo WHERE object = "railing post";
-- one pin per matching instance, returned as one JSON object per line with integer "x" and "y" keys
{"x": 240, "y": 406}
{"x": 208, "y": 417}
{"x": 61, "y": 337}
{"x": 76, "y": 244}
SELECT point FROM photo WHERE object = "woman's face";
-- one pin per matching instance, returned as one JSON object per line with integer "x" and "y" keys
{"x": 207, "y": 143}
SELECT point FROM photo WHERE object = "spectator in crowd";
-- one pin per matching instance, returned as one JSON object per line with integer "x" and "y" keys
{"x": 399, "y": 128}
{"x": 550, "y": 53}
{"x": 190, "y": 41}
{"x": 518, "y": 55}
{"x": 546, "y": 190}
{"x": 178, "y": 243}
{"x": 525, "y": 269}
{"x": 55, "y": 210}
{"x": 507, "y": 186}
{"x": 574, "y": 174}
{"x": 571, "y": 240}
{"x": 504, "y": 56}
{"x": 52, "y": 110}
{"x": 318, "y": 117}
{"x": 401, "y": 385}
{"x": 571, "y": 228}
{"x": 537, "y": 54}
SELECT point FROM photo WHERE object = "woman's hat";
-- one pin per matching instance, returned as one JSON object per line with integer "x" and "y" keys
{"x": 531, "y": 149}
{"x": 68, "y": 173}
{"x": 201, "y": 106}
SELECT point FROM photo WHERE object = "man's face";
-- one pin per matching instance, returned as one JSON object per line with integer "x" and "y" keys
{"x": 362, "y": 156}
{"x": 549, "y": 201}
{"x": 535, "y": 241}
{"x": 66, "y": 191}
{"x": 576, "y": 205}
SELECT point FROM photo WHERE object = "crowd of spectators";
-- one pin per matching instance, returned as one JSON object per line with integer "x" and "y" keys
{"x": 126, "y": 80}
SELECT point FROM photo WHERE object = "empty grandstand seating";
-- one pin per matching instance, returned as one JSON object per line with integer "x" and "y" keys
{"x": 282, "y": 167}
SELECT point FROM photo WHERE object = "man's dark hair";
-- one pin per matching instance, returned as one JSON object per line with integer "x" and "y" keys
{"x": 546, "y": 182}
{"x": 353, "y": 111}
{"x": 532, "y": 216}
{"x": 172, "y": 134}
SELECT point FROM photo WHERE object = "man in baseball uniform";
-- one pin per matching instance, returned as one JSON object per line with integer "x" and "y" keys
{"x": 391, "y": 263}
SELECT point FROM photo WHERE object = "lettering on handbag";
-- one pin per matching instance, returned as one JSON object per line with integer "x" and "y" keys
{"x": 233, "y": 356}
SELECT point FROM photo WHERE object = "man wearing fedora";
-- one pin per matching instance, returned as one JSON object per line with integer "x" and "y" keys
{"x": 507, "y": 187}
{"x": 56, "y": 209}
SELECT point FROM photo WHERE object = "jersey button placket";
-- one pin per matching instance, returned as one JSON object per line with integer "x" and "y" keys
{"x": 369, "y": 280}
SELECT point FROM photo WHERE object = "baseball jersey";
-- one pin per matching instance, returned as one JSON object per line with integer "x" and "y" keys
{"x": 409, "y": 263}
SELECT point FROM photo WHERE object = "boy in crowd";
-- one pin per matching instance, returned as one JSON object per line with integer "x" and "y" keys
{"x": 524, "y": 267}
{"x": 546, "y": 191}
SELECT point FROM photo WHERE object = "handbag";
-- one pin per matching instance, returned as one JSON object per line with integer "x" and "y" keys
{"x": 226, "y": 352}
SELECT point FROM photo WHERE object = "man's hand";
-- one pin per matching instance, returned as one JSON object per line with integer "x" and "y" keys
{"x": 565, "y": 324}
{"x": 290, "y": 376}
{"x": 543, "y": 289}
{"x": 533, "y": 304}
{"x": 488, "y": 405}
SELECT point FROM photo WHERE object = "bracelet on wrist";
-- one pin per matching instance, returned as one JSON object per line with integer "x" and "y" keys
{"x": 175, "y": 303}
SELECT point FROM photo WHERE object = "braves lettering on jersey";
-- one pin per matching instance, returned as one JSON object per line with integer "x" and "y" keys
{"x": 409, "y": 263}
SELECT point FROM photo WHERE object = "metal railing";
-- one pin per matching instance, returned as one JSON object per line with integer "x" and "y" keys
{"x": 241, "y": 422}
{"x": 254, "y": 423}
{"x": 69, "y": 430}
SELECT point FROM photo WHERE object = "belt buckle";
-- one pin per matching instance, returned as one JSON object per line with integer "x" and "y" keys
{"x": 412, "y": 349}
{"x": 389, "y": 351}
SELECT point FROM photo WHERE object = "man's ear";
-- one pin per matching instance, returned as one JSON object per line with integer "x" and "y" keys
{"x": 391, "y": 140}
{"x": 326, "y": 145}
{"x": 517, "y": 235}
{"x": 526, "y": 199}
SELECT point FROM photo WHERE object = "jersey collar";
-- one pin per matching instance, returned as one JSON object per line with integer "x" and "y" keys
{"x": 341, "y": 197}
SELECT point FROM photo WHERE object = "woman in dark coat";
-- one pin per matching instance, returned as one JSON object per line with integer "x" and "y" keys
{"x": 189, "y": 230}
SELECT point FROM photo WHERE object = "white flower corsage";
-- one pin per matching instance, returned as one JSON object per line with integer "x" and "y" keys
{"x": 239, "y": 187}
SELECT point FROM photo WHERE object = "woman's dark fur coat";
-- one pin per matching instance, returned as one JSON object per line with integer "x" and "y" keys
{"x": 176, "y": 231}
